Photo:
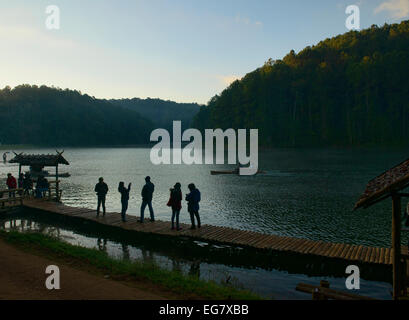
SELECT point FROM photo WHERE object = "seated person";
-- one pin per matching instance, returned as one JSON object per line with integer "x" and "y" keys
{"x": 42, "y": 187}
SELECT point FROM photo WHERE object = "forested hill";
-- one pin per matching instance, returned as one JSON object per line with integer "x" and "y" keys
{"x": 54, "y": 117}
{"x": 162, "y": 113}
{"x": 350, "y": 90}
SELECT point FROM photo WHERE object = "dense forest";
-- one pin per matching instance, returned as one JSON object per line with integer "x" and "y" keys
{"x": 161, "y": 112}
{"x": 54, "y": 117}
{"x": 349, "y": 90}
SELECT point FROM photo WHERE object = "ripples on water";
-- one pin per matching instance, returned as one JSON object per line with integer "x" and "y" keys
{"x": 305, "y": 193}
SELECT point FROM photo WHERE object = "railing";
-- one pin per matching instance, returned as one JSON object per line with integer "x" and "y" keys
{"x": 53, "y": 190}
{"x": 17, "y": 195}
{"x": 13, "y": 196}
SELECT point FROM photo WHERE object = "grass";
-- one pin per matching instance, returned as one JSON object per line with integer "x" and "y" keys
{"x": 188, "y": 287}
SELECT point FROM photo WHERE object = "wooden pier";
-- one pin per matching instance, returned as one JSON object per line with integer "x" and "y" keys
{"x": 229, "y": 236}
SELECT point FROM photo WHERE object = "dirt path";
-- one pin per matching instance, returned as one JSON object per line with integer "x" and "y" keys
{"x": 22, "y": 276}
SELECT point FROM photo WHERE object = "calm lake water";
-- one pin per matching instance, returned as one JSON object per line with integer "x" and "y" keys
{"x": 306, "y": 193}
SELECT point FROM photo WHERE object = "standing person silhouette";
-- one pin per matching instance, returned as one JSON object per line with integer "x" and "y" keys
{"x": 27, "y": 184}
{"x": 11, "y": 185}
{"x": 124, "y": 198}
{"x": 101, "y": 188}
{"x": 147, "y": 194}
{"x": 175, "y": 201}
{"x": 193, "y": 199}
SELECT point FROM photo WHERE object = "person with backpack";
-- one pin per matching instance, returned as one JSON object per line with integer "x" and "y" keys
{"x": 175, "y": 202}
{"x": 124, "y": 198}
{"x": 193, "y": 199}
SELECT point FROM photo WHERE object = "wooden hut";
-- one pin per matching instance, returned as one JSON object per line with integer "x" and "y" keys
{"x": 37, "y": 162}
{"x": 390, "y": 185}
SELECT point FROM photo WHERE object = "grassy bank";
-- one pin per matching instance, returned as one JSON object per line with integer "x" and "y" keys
{"x": 96, "y": 261}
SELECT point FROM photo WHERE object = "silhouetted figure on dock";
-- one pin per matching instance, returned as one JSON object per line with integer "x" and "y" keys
{"x": 147, "y": 194}
{"x": 20, "y": 183}
{"x": 101, "y": 188}
{"x": 124, "y": 198}
{"x": 193, "y": 199}
{"x": 175, "y": 202}
{"x": 27, "y": 184}
{"x": 11, "y": 184}
{"x": 42, "y": 187}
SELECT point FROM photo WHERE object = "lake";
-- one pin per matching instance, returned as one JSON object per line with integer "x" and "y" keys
{"x": 305, "y": 193}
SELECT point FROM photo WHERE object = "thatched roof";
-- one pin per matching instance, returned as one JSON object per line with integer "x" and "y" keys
{"x": 384, "y": 185}
{"x": 44, "y": 160}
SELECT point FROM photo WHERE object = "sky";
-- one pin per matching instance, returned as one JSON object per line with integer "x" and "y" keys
{"x": 180, "y": 50}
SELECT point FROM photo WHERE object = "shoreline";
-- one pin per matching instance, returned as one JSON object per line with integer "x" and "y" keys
{"x": 94, "y": 265}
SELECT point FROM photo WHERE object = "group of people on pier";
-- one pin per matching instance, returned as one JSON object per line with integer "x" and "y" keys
{"x": 175, "y": 201}
{"x": 25, "y": 182}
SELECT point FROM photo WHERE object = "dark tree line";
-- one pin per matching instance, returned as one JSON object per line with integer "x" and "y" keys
{"x": 162, "y": 113}
{"x": 54, "y": 117}
{"x": 349, "y": 90}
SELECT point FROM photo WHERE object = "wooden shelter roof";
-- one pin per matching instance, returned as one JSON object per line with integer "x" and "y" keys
{"x": 381, "y": 187}
{"x": 46, "y": 160}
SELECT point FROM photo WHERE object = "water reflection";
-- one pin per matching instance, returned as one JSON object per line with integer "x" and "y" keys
{"x": 267, "y": 282}
{"x": 102, "y": 244}
{"x": 194, "y": 270}
{"x": 125, "y": 252}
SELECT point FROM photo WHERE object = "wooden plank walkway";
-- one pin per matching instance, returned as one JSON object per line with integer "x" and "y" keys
{"x": 230, "y": 236}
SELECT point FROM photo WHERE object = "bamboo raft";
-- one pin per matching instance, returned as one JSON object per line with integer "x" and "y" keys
{"x": 225, "y": 235}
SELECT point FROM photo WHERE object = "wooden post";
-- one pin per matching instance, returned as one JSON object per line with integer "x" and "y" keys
{"x": 316, "y": 295}
{"x": 396, "y": 247}
{"x": 57, "y": 187}
{"x": 19, "y": 170}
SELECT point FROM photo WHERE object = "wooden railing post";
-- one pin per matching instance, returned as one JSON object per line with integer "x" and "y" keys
{"x": 57, "y": 184}
{"x": 396, "y": 245}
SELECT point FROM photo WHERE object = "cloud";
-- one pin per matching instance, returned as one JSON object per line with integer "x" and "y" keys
{"x": 246, "y": 21}
{"x": 398, "y": 9}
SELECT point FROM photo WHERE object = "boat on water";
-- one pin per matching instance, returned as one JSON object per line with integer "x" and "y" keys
{"x": 44, "y": 173}
{"x": 235, "y": 171}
